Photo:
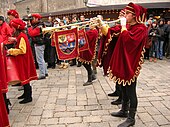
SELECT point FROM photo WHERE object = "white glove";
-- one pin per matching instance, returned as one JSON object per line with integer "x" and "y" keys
{"x": 123, "y": 21}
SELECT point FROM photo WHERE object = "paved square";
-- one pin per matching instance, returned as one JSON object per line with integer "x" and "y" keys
{"x": 61, "y": 100}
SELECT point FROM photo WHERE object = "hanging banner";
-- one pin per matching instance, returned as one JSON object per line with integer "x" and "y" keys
{"x": 66, "y": 43}
{"x": 82, "y": 40}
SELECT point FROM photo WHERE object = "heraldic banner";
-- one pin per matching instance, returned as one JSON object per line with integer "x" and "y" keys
{"x": 82, "y": 40}
{"x": 66, "y": 43}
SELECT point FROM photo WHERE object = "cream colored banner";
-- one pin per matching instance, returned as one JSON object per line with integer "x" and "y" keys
{"x": 115, "y": 2}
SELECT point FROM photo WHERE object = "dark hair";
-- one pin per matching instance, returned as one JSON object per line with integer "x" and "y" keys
{"x": 17, "y": 32}
{"x": 2, "y": 18}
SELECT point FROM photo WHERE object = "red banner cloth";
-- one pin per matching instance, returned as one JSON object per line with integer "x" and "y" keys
{"x": 82, "y": 40}
{"x": 88, "y": 55}
{"x": 66, "y": 43}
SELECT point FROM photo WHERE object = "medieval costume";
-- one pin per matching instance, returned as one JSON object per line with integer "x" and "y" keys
{"x": 126, "y": 60}
{"x": 23, "y": 59}
{"x": 3, "y": 112}
{"x": 5, "y": 32}
{"x": 87, "y": 56}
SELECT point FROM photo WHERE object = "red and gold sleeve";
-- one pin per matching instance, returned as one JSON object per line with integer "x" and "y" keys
{"x": 20, "y": 50}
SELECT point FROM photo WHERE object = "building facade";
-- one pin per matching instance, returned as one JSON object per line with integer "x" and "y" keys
{"x": 89, "y": 8}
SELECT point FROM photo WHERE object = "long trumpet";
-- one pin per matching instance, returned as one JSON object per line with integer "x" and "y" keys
{"x": 93, "y": 22}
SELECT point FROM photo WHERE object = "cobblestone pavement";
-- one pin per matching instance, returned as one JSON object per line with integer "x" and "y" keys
{"x": 62, "y": 101}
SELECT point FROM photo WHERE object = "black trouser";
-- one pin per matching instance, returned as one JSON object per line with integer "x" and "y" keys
{"x": 88, "y": 68}
{"x": 146, "y": 54}
{"x": 7, "y": 102}
{"x": 129, "y": 94}
{"x": 118, "y": 89}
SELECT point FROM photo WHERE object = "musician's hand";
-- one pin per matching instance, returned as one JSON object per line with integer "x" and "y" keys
{"x": 12, "y": 39}
{"x": 123, "y": 21}
{"x": 122, "y": 13}
{"x": 100, "y": 22}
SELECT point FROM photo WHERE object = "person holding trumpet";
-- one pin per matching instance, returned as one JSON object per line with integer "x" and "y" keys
{"x": 127, "y": 58}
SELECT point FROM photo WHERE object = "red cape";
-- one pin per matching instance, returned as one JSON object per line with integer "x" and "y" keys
{"x": 107, "y": 45}
{"x": 88, "y": 55}
{"x": 5, "y": 32}
{"x": 25, "y": 62}
{"x": 3, "y": 113}
{"x": 3, "y": 84}
{"x": 125, "y": 63}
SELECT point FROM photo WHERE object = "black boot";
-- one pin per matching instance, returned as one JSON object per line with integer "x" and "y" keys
{"x": 23, "y": 95}
{"x": 123, "y": 112}
{"x": 28, "y": 94}
{"x": 7, "y": 102}
{"x": 114, "y": 94}
{"x": 79, "y": 64}
{"x": 89, "y": 81}
{"x": 117, "y": 91}
{"x": 130, "y": 121}
{"x": 117, "y": 102}
{"x": 93, "y": 77}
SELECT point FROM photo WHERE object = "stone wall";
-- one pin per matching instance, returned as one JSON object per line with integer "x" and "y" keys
{"x": 41, "y": 6}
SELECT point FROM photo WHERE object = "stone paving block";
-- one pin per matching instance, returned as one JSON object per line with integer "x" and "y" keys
{"x": 75, "y": 108}
{"x": 164, "y": 111}
{"x": 161, "y": 120}
{"x": 37, "y": 111}
{"x": 83, "y": 113}
{"x": 78, "y": 125}
{"x": 35, "y": 120}
{"x": 157, "y": 104}
{"x": 92, "y": 119}
{"x": 49, "y": 106}
{"x": 60, "y": 108}
{"x": 18, "y": 124}
{"x": 152, "y": 124}
{"x": 51, "y": 100}
{"x": 109, "y": 118}
{"x": 92, "y": 107}
{"x": 141, "y": 109}
{"x": 100, "y": 112}
{"x": 152, "y": 110}
{"x": 145, "y": 117}
{"x": 61, "y": 101}
{"x": 81, "y": 103}
{"x": 71, "y": 97}
{"x": 22, "y": 117}
{"x": 48, "y": 113}
{"x": 71, "y": 103}
{"x": 64, "y": 114}
{"x": 66, "y": 120}
{"x": 92, "y": 101}
{"x": 56, "y": 125}
{"x": 104, "y": 124}
{"x": 49, "y": 121}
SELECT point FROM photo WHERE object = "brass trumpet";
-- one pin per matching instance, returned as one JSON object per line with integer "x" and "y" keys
{"x": 93, "y": 21}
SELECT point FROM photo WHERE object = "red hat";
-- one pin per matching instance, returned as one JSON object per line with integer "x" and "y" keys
{"x": 36, "y": 15}
{"x": 13, "y": 13}
{"x": 18, "y": 24}
{"x": 138, "y": 10}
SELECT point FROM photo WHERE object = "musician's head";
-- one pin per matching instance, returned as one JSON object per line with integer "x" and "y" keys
{"x": 100, "y": 17}
{"x": 17, "y": 25}
{"x": 135, "y": 13}
{"x": 35, "y": 18}
{"x": 2, "y": 20}
{"x": 74, "y": 18}
{"x": 12, "y": 14}
{"x": 82, "y": 18}
{"x": 61, "y": 23}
